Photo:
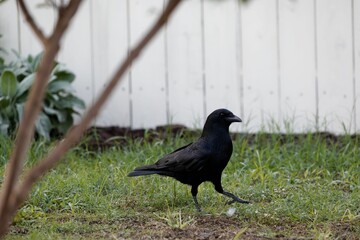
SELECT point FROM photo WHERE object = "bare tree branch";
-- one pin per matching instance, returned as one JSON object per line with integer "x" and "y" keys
{"x": 65, "y": 14}
{"x": 31, "y": 112}
{"x": 74, "y": 135}
{"x": 20, "y": 192}
{"x": 52, "y": 3}
{"x": 32, "y": 22}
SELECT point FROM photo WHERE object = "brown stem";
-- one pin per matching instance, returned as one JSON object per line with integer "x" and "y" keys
{"x": 32, "y": 22}
{"x": 26, "y": 129}
{"x": 20, "y": 193}
{"x": 65, "y": 14}
{"x": 74, "y": 135}
{"x": 31, "y": 112}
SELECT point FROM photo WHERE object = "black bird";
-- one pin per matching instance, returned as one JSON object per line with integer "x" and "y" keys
{"x": 203, "y": 160}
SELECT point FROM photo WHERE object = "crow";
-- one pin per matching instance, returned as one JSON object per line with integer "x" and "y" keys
{"x": 200, "y": 161}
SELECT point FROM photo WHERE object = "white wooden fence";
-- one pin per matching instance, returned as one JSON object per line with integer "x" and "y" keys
{"x": 278, "y": 64}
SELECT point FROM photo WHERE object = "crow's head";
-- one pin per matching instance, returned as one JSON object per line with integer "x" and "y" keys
{"x": 223, "y": 115}
{"x": 220, "y": 118}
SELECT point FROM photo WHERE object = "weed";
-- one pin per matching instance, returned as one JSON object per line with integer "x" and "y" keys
{"x": 176, "y": 219}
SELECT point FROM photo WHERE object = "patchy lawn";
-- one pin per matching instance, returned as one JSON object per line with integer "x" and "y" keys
{"x": 301, "y": 187}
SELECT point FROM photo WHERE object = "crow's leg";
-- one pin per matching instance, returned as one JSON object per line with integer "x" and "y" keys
{"x": 194, "y": 191}
{"x": 235, "y": 198}
{"x": 219, "y": 189}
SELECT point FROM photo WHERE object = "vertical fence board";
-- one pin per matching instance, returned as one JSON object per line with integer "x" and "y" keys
{"x": 9, "y": 29}
{"x": 110, "y": 46}
{"x": 45, "y": 18}
{"x": 356, "y": 44}
{"x": 261, "y": 104}
{"x": 76, "y": 53}
{"x": 297, "y": 65}
{"x": 185, "y": 65}
{"x": 335, "y": 67}
{"x": 148, "y": 72}
{"x": 222, "y": 83}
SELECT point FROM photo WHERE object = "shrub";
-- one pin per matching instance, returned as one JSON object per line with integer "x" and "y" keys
{"x": 60, "y": 103}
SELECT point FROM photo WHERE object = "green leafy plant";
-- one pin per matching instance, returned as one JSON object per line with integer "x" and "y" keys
{"x": 60, "y": 103}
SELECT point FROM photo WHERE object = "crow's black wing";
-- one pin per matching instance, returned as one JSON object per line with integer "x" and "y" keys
{"x": 181, "y": 148}
{"x": 190, "y": 158}
{"x": 186, "y": 160}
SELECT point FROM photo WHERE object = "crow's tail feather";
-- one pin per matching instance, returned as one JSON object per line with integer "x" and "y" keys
{"x": 142, "y": 173}
{"x": 144, "y": 170}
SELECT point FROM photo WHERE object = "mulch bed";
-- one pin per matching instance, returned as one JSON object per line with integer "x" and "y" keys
{"x": 101, "y": 138}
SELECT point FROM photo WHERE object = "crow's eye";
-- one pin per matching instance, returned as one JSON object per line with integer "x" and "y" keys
{"x": 222, "y": 114}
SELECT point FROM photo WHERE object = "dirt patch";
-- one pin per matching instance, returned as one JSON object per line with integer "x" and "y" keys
{"x": 201, "y": 227}
{"x": 221, "y": 227}
{"x": 100, "y": 138}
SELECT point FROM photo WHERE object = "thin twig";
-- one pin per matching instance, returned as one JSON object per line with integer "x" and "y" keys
{"x": 53, "y": 4}
{"x": 74, "y": 135}
{"x": 20, "y": 193}
{"x": 65, "y": 14}
{"x": 32, "y": 109}
{"x": 32, "y": 22}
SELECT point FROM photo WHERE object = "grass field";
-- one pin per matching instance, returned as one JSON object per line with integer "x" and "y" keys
{"x": 301, "y": 187}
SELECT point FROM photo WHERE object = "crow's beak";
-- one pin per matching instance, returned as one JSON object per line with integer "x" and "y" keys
{"x": 233, "y": 119}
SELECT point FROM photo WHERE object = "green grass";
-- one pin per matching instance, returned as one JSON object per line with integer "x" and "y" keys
{"x": 303, "y": 186}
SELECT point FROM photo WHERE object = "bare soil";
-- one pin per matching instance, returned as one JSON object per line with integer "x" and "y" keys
{"x": 205, "y": 227}
{"x": 100, "y": 138}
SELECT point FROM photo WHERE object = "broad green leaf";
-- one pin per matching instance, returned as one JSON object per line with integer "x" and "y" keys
{"x": 4, "y": 102}
{"x": 56, "y": 86}
{"x": 25, "y": 85}
{"x": 60, "y": 115}
{"x": 21, "y": 99}
{"x": 20, "y": 71}
{"x": 29, "y": 59}
{"x": 43, "y": 125}
{"x": 4, "y": 125}
{"x": 52, "y": 78}
{"x": 52, "y": 97}
{"x": 58, "y": 67}
{"x": 65, "y": 76}
{"x": 4, "y": 129}
{"x": 61, "y": 104}
{"x": 8, "y": 84}
{"x": 20, "y": 111}
{"x": 36, "y": 61}
{"x": 70, "y": 101}
{"x": 77, "y": 102}
{"x": 64, "y": 126}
